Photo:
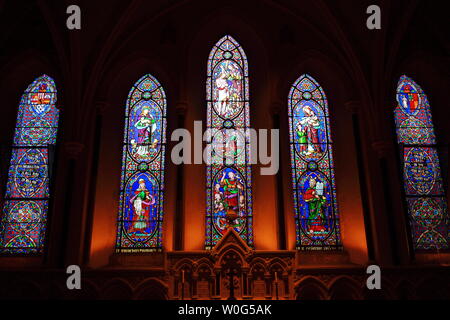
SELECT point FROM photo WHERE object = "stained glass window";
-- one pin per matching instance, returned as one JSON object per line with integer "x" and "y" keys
{"x": 228, "y": 186}
{"x": 142, "y": 182}
{"x": 425, "y": 198}
{"x": 316, "y": 211}
{"x": 24, "y": 219}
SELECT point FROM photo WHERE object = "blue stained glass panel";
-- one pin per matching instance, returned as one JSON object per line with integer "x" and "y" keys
{"x": 139, "y": 226}
{"x": 228, "y": 189}
{"x": 24, "y": 219}
{"x": 424, "y": 192}
{"x": 316, "y": 210}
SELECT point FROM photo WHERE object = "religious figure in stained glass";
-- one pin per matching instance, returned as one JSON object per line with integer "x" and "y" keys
{"x": 308, "y": 133}
{"x": 24, "y": 219}
{"x": 146, "y": 127}
{"x": 141, "y": 207}
{"x": 229, "y": 197}
{"x": 229, "y": 88}
{"x": 142, "y": 200}
{"x": 425, "y": 198}
{"x": 317, "y": 220}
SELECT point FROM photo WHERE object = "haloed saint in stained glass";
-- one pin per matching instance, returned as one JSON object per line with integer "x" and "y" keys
{"x": 228, "y": 194}
{"x": 24, "y": 219}
{"x": 425, "y": 197}
{"x": 317, "y": 220}
{"x": 139, "y": 227}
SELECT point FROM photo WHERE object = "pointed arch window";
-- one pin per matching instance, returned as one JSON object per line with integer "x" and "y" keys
{"x": 423, "y": 186}
{"x": 316, "y": 210}
{"x": 139, "y": 227}
{"x": 24, "y": 220}
{"x": 228, "y": 185}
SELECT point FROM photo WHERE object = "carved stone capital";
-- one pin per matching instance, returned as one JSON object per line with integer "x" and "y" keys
{"x": 73, "y": 149}
{"x": 382, "y": 148}
{"x": 275, "y": 107}
{"x": 102, "y": 106}
{"x": 353, "y": 106}
{"x": 181, "y": 108}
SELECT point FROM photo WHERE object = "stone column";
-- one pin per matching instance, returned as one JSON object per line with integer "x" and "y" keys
{"x": 101, "y": 106}
{"x": 69, "y": 245}
{"x": 395, "y": 212}
{"x": 178, "y": 234}
{"x": 281, "y": 222}
{"x": 353, "y": 107}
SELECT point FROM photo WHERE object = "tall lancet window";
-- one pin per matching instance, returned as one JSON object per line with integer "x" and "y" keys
{"x": 139, "y": 227}
{"x": 316, "y": 211}
{"x": 24, "y": 219}
{"x": 228, "y": 185}
{"x": 425, "y": 198}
